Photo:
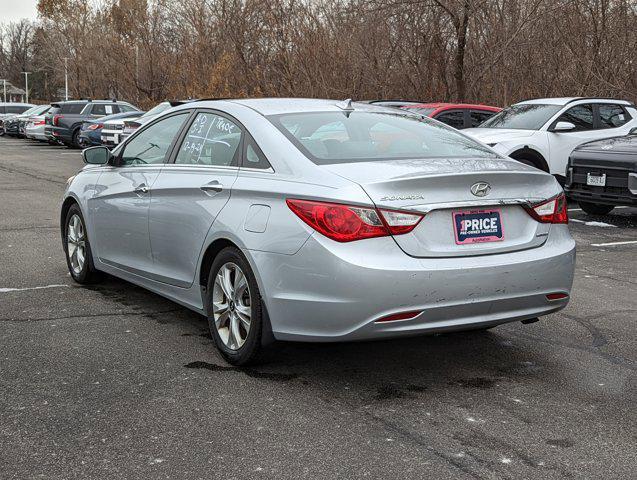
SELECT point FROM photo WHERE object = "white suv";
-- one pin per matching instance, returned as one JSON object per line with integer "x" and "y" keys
{"x": 544, "y": 132}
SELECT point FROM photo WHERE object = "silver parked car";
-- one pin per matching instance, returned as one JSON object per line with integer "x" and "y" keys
{"x": 317, "y": 220}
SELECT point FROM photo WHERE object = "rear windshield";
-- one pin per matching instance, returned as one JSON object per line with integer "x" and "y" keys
{"x": 15, "y": 108}
{"x": 68, "y": 108}
{"x": 344, "y": 137}
{"x": 528, "y": 116}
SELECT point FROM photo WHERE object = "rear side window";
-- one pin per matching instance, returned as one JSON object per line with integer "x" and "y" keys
{"x": 253, "y": 157}
{"x": 479, "y": 116}
{"x": 580, "y": 115}
{"x": 70, "y": 108}
{"x": 612, "y": 116}
{"x": 454, "y": 119}
{"x": 211, "y": 140}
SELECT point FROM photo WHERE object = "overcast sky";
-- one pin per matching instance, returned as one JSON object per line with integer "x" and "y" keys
{"x": 13, "y": 10}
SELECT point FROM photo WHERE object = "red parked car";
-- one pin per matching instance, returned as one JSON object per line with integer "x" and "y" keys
{"x": 457, "y": 115}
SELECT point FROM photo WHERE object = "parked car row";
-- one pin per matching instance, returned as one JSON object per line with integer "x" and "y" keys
{"x": 542, "y": 133}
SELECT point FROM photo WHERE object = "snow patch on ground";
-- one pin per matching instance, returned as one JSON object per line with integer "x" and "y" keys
{"x": 593, "y": 224}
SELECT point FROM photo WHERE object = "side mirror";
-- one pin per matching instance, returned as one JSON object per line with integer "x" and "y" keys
{"x": 563, "y": 127}
{"x": 633, "y": 131}
{"x": 97, "y": 155}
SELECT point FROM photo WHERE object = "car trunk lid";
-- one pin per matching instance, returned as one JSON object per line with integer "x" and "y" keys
{"x": 441, "y": 189}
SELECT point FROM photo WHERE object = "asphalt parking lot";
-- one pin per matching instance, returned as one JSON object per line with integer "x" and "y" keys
{"x": 115, "y": 382}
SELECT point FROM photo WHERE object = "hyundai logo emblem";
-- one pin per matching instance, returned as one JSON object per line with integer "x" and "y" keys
{"x": 480, "y": 189}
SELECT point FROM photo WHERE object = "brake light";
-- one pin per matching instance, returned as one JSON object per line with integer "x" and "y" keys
{"x": 56, "y": 118}
{"x": 95, "y": 126}
{"x": 346, "y": 223}
{"x": 551, "y": 211}
{"x": 39, "y": 122}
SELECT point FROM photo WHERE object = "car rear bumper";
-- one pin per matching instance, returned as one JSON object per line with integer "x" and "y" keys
{"x": 36, "y": 133}
{"x": 336, "y": 292}
{"x": 57, "y": 133}
{"x": 620, "y": 189}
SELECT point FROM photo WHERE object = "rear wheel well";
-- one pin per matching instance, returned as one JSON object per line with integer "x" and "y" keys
{"x": 209, "y": 256}
{"x": 533, "y": 156}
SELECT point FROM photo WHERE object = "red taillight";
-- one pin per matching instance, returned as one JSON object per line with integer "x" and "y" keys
{"x": 400, "y": 316}
{"x": 56, "y": 118}
{"x": 557, "y": 296}
{"x": 550, "y": 211}
{"x": 39, "y": 122}
{"x": 346, "y": 223}
{"x": 95, "y": 126}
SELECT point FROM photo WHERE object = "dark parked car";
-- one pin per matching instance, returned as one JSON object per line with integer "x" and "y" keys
{"x": 14, "y": 124}
{"x": 456, "y": 115}
{"x": 603, "y": 174}
{"x": 91, "y": 130}
{"x": 10, "y": 109}
{"x": 64, "y": 120}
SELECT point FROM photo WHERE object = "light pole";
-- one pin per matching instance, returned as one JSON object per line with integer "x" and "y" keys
{"x": 66, "y": 78}
{"x": 26, "y": 84}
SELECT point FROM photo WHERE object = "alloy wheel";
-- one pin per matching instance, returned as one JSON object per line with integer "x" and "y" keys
{"x": 76, "y": 244}
{"x": 231, "y": 306}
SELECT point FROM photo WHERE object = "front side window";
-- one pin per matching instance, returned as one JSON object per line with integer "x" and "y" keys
{"x": 211, "y": 140}
{"x": 478, "y": 117}
{"x": 580, "y": 115}
{"x": 151, "y": 145}
{"x": 454, "y": 119}
{"x": 359, "y": 136}
{"x": 99, "y": 109}
{"x": 527, "y": 116}
{"x": 612, "y": 116}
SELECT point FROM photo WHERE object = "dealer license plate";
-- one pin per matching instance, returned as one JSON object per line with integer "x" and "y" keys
{"x": 477, "y": 226}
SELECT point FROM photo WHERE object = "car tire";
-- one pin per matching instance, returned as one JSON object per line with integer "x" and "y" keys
{"x": 232, "y": 292}
{"x": 75, "y": 139}
{"x": 79, "y": 258}
{"x": 596, "y": 208}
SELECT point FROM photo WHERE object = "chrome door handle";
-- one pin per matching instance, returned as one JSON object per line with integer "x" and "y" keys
{"x": 213, "y": 186}
{"x": 142, "y": 189}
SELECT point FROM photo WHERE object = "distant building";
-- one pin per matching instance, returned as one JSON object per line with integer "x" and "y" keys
{"x": 13, "y": 93}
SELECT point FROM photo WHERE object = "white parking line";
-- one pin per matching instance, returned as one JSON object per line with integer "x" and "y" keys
{"x": 610, "y": 244}
{"x": 579, "y": 209}
{"x": 5, "y": 290}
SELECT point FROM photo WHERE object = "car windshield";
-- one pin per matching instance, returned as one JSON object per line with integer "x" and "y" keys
{"x": 528, "y": 116}
{"x": 156, "y": 110}
{"x": 345, "y": 137}
{"x": 32, "y": 110}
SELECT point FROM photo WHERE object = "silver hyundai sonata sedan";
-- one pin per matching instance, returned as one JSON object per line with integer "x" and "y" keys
{"x": 320, "y": 220}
